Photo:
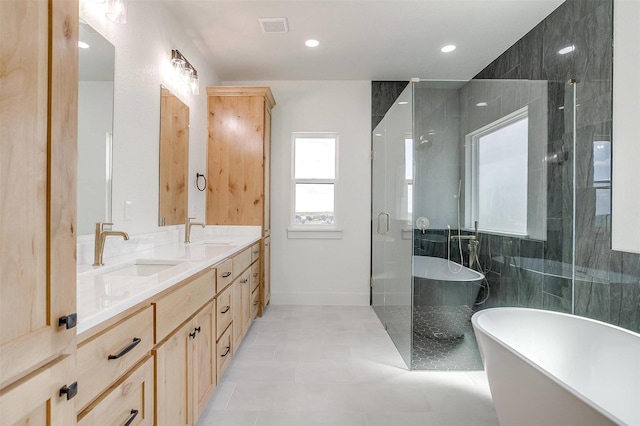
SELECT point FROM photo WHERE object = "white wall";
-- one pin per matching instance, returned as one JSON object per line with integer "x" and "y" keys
{"x": 142, "y": 53}
{"x": 322, "y": 271}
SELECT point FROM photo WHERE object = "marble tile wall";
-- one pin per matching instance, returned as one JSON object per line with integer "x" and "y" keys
{"x": 607, "y": 285}
{"x": 383, "y": 94}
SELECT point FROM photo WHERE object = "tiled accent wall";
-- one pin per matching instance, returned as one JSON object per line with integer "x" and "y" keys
{"x": 536, "y": 273}
{"x": 383, "y": 94}
{"x": 607, "y": 283}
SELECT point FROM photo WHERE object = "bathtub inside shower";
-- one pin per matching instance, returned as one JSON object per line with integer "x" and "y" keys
{"x": 444, "y": 297}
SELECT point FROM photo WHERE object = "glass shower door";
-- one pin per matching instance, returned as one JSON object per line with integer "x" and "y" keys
{"x": 392, "y": 235}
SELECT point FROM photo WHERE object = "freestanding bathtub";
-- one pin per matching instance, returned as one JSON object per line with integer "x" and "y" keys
{"x": 444, "y": 294}
{"x": 440, "y": 282}
{"x": 548, "y": 368}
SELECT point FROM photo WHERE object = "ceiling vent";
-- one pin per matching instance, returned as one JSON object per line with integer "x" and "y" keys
{"x": 274, "y": 25}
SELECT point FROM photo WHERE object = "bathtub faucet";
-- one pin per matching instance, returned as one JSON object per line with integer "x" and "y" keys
{"x": 473, "y": 247}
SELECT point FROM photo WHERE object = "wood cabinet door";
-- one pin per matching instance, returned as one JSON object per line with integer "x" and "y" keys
{"x": 204, "y": 358}
{"x": 174, "y": 377}
{"x": 128, "y": 401}
{"x": 38, "y": 126}
{"x": 234, "y": 160}
{"x": 35, "y": 400}
{"x": 266, "y": 222}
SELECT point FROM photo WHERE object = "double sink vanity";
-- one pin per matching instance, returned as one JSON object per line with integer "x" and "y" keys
{"x": 158, "y": 327}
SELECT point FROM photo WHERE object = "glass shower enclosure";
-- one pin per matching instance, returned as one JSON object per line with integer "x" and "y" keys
{"x": 472, "y": 207}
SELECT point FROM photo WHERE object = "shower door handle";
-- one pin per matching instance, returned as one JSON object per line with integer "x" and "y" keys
{"x": 388, "y": 223}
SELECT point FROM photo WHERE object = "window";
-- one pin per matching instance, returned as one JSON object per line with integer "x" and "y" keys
{"x": 314, "y": 178}
{"x": 497, "y": 175}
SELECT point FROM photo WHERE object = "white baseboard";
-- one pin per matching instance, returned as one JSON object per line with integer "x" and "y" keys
{"x": 344, "y": 299}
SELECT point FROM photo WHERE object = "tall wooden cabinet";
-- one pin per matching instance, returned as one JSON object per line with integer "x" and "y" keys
{"x": 38, "y": 122}
{"x": 239, "y": 162}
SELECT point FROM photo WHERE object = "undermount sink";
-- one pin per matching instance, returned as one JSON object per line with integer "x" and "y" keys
{"x": 216, "y": 243}
{"x": 146, "y": 267}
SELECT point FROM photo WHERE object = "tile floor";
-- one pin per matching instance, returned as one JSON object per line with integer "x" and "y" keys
{"x": 336, "y": 366}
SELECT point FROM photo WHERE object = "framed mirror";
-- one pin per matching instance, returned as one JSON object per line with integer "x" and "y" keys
{"x": 174, "y": 159}
{"x": 95, "y": 125}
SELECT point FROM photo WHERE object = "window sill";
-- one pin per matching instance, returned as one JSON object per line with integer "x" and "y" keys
{"x": 315, "y": 233}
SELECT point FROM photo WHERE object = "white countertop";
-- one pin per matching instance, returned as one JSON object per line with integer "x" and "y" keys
{"x": 105, "y": 291}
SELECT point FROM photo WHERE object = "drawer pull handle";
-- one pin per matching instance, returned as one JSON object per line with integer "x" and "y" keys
{"x": 255, "y": 303}
{"x": 136, "y": 341}
{"x": 256, "y": 252}
{"x": 134, "y": 414}
{"x": 226, "y": 352}
{"x": 244, "y": 281}
{"x": 197, "y": 329}
{"x": 255, "y": 275}
{"x": 225, "y": 310}
{"x": 193, "y": 334}
{"x": 70, "y": 391}
{"x": 226, "y": 274}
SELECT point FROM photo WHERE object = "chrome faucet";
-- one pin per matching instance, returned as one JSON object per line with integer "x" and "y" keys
{"x": 101, "y": 236}
{"x": 187, "y": 228}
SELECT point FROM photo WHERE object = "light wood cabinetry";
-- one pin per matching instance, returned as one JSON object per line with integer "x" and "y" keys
{"x": 224, "y": 313}
{"x": 128, "y": 401}
{"x": 266, "y": 272}
{"x": 239, "y": 126}
{"x": 239, "y": 161}
{"x": 224, "y": 351}
{"x": 38, "y": 122}
{"x": 107, "y": 356}
{"x": 36, "y": 399}
{"x": 174, "y": 308}
{"x": 186, "y": 370}
{"x": 204, "y": 357}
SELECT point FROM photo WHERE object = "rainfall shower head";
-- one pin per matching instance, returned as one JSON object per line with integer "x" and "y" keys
{"x": 423, "y": 140}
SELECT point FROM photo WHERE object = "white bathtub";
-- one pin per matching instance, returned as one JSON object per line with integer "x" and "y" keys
{"x": 434, "y": 268}
{"x": 439, "y": 282}
{"x": 547, "y": 368}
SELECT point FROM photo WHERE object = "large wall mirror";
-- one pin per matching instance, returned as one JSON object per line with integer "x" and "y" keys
{"x": 95, "y": 125}
{"x": 174, "y": 159}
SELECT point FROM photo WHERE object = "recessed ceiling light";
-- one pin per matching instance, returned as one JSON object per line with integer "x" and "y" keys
{"x": 448, "y": 48}
{"x": 403, "y": 103}
{"x": 378, "y": 134}
{"x": 567, "y": 49}
{"x": 481, "y": 104}
{"x": 83, "y": 45}
{"x": 312, "y": 43}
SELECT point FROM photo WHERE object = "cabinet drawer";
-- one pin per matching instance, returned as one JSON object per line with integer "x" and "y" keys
{"x": 177, "y": 306}
{"x": 255, "y": 252}
{"x": 131, "y": 398}
{"x": 224, "y": 352}
{"x": 107, "y": 356}
{"x": 255, "y": 303}
{"x": 255, "y": 275}
{"x": 241, "y": 261}
{"x": 224, "y": 314}
{"x": 224, "y": 275}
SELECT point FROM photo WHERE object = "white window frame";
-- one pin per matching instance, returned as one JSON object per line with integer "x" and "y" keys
{"x": 294, "y": 229}
{"x": 472, "y": 168}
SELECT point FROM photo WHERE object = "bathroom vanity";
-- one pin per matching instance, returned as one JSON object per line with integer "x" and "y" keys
{"x": 158, "y": 328}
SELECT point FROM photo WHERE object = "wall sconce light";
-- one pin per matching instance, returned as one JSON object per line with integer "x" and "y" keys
{"x": 184, "y": 73}
{"x": 117, "y": 11}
